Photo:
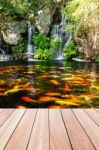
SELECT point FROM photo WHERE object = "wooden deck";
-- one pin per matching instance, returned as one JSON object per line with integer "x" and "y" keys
{"x": 49, "y": 129}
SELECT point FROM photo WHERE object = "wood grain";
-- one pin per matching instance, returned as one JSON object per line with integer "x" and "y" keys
{"x": 53, "y": 129}
{"x": 5, "y": 115}
{"x": 58, "y": 135}
{"x": 19, "y": 140}
{"x": 40, "y": 135}
{"x": 93, "y": 114}
{"x": 89, "y": 126}
{"x": 1, "y": 110}
{"x": 76, "y": 133}
{"x": 9, "y": 126}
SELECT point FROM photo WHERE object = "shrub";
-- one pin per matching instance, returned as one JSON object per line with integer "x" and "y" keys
{"x": 97, "y": 60}
{"x": 43, "y": 54}
{"x": 20, "y": 47}
{"x": 41, "y": 41}
{"x": 70, "y": 51}
{"x": 55, "y": 43}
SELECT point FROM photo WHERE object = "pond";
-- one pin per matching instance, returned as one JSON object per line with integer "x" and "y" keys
{"x": 49, "y": 84}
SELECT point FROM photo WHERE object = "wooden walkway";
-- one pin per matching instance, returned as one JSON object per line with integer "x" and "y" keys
{"x": 49, "y": 129}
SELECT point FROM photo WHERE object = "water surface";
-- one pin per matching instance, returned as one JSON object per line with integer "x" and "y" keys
{"x": 49, "y": 84}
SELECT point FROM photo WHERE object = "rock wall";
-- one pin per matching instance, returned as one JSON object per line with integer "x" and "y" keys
{"x": 13, "y": 31}
{"x": 89, "y": 41}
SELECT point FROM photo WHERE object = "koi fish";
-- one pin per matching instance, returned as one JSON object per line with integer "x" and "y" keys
{"x": 21, "y": 107}
{"x": 55, "y": 82}
{"x": 27, "y": 86}
{"x": 48, "y": 98}
{"x": 27, "y": 99}
{"x": 53, "y": 94}
{"x": 2, "y": 89}
{"x": 2, "y": 82}
{"x": 14, "y": 90}
{"x": 66, "y": 103}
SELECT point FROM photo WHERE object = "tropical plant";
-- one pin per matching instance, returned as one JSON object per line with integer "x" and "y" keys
{"x": 41, "y": 41}
{"x": 43, "y": 54}
{"x": 84, "y": 16}
{"x": 55, "y": 43}
{"x": 20, "y": 47}
{"x": 70, "y": 51}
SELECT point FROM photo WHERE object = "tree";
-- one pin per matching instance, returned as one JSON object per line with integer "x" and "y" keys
{"x": 84, "y": 16}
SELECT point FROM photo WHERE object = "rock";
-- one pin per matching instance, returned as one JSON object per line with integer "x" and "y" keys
{"x": 12, "y": 32}
{"x": 80, "y": 60}
{"x": 43, "y": 20}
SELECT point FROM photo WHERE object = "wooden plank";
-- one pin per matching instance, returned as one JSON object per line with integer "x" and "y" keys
{"x": 93, "y": 114}
{"x": 97, "y": 110}
{"x": 22, "y": 132}
{"x": 1, "y": 110}
{"x": 5, "y": 115}
{"x": 58, "y": 135}
{"x": 89, "y": 126}
{"x": 9, "y": 126}
{"x": 78, "y": 137}
{"x": 40, "y": 135}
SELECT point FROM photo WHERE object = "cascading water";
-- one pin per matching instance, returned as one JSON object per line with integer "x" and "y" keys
{"x": 1, "y": 50}
{"x": 59, "y": 32}
{"x": 30, "y": 46}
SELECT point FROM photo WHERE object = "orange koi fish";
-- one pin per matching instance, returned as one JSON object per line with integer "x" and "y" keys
{"x": 48, "y": 98}
{"x": 53, "y": 94}
{"x": 27, "y": 99}
{"x": 55, "y": 82}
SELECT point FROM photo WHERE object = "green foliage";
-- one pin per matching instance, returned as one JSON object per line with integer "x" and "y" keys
{"x": 41, "y": 41}
{"x": 14, "y": 9}
{"x": 82, "y": 13}
{"x": 20, "y": 47}
{"x": 84, "y": 16}
{"x": 70, "y": 51}
{"x": 97, "y": 60}
{"x": 55, "y": 44}
{"x": 43, "y": 54}
{"x": 21, "y": 9}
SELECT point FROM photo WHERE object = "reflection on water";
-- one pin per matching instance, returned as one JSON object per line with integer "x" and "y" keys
{"x": 52, "y": 84}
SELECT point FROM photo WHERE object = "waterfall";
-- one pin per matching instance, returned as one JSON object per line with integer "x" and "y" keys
{"x": 1, "y": 50}
{"x": 59, "y": 32}
{"x": 30, "y": 46}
